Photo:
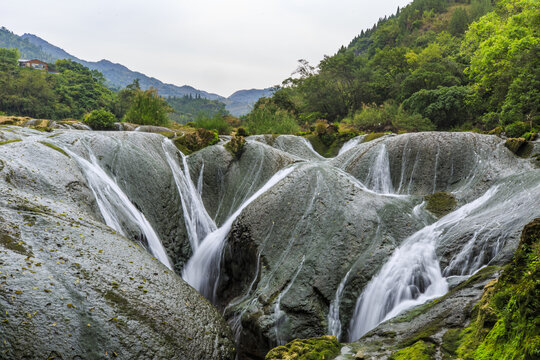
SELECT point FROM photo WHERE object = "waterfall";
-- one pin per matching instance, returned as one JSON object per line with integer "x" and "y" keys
{"x": 116, "y": 208}
{"x": 198, "y": 222}
{"x": 411, "y": 276}
{"x": 202, "y": 270}
{"x": 351, "y": 144}
{"x": 378, "y": 178}
{"x": 334, "y": 323}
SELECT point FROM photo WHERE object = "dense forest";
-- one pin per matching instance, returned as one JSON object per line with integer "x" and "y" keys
{"x": 190, "y": 108}
{"x": 434, "y": 65}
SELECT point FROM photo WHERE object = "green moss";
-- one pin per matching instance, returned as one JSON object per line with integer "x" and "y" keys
{"x": 328, "y": 145}
{"x": 519, "y": 146}
{"x": 54, "y": 147}
{"x": 13, "y": 243}
{"x": 195, "y": 141}
{"x": 506, "y": 323}
{"x": 319, "y": 348}
{"x": 9, "y": 141}
{"x": 419, "y": 351}
{"x": 236, "y": 146}
{"x": 373, "y": 136}
{"x": 450, "y": 343}
{"x": 440, "y": 203}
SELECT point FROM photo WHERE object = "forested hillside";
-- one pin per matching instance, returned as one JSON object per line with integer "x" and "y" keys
{"x": 188, "y": 108}
{"x": 434, "y": 65}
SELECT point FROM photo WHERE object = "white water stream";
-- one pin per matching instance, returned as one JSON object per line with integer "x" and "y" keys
{"x": 115, "y": 206}
{"x": 198, "y": 222}
{"x": 202, "y": 269}
{"x": 411, "y": 276}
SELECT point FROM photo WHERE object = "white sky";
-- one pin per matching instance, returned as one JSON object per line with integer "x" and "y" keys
{"x": 219, "y": 46}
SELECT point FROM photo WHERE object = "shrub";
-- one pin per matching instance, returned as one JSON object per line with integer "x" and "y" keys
{"x": 241, "y": 132}
{"x": 148, "y": 108}
{"x": 216, "y": 123}
{"x": 100, "y": 119}
{"x": 516, "y": 129}
{"x": 412, "y": 122}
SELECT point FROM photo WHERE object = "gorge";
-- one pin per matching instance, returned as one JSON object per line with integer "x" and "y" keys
{"x": 101, "y": 233}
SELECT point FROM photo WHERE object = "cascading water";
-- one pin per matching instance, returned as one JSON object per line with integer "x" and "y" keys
{"x": 351, "y": 144}
{"x": 202, "y": 270}
{"x": 198, "y": 222}
{"x": 411, "y": 276}
{"x": 378, "y": 178}
{"x": 334, "y": 323}
{"x": 116, "y": 208}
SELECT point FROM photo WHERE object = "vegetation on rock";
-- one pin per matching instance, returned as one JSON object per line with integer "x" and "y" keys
{"x": 100, "y": 119}
{"x": 236, "y": 145}
{"x": 319, "y": 348}
{"x": 194, "y": 141}
{"x": 506, "y": 324}
{"x": 440, "y": 203}
{"x": 419, "y": 351}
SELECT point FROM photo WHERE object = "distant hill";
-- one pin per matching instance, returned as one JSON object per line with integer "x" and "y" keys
{"x": 118, "y": 76}
{"x": 241, "y": 102}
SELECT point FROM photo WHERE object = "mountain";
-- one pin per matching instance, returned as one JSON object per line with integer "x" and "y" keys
{"x": 119, "y": 76}
{"x": 241, "y": 102}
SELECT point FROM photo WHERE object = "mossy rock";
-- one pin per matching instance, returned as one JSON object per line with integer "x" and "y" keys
{"x": 373, "y": 136}
{"x": 319, "y": 348}
{"x": 236, "y": 146}
{"x": 196, "y": 141}
{"x": 440, "y": 203}
{"x": 419, "y": 351}
{"x": 506, "y": 321}
{"x": 519, "y": 146}
{"x": 9, "y": 141}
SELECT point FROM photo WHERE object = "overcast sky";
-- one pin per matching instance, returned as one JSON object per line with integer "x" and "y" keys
{"x": 219, "y": 46}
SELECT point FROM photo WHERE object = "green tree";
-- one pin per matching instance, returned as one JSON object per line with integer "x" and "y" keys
{"x": 503, "y": 48}
{"x": 458, "y": 22}
{"x": 446, "y": 107}
{"x": 148, "y": 108}
{"x": 100, "y": 119}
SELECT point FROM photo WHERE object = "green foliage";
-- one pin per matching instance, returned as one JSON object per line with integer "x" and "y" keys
{"x": 236, "y": 145}
{"x": 504, "y": 61}
{"x": 268, "y": 118}
{"x": 319, "y": 348}
{"x": 507, "y": 321}
{"x": 27, "y": 50}
{"x": 148, "y": 108}
{"x": 440, "y": 203}
{"x": 100, "y": 119}
{"x": 446, "y": 107}
{"x": 419, "y": 351}
{"x": 458, "y": 22}
{"x": 189, "y": 108}
{"x": 430, "y": 66}
{"x": 516, "y": 129}
{"x": 217, "y": 123}
{"x": 196, "y": 140}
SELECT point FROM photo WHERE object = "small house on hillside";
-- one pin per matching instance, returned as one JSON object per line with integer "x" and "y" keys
{"x": 34, "y": 64}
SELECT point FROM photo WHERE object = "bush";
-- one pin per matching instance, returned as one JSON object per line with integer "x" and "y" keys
{"x": 412, "y": 122}
{"x": 516, "y": 129}
{"x": 100, "y": 119}
{"x": 264, "y": 121}
{"x": 216, "y": 123}
{"x": 375, "y": 118}
{"x": 148, "y": 108}
{"x": 241, "y": 132}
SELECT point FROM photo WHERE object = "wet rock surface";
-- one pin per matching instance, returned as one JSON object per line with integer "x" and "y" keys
{"x": 71, "y": 287}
